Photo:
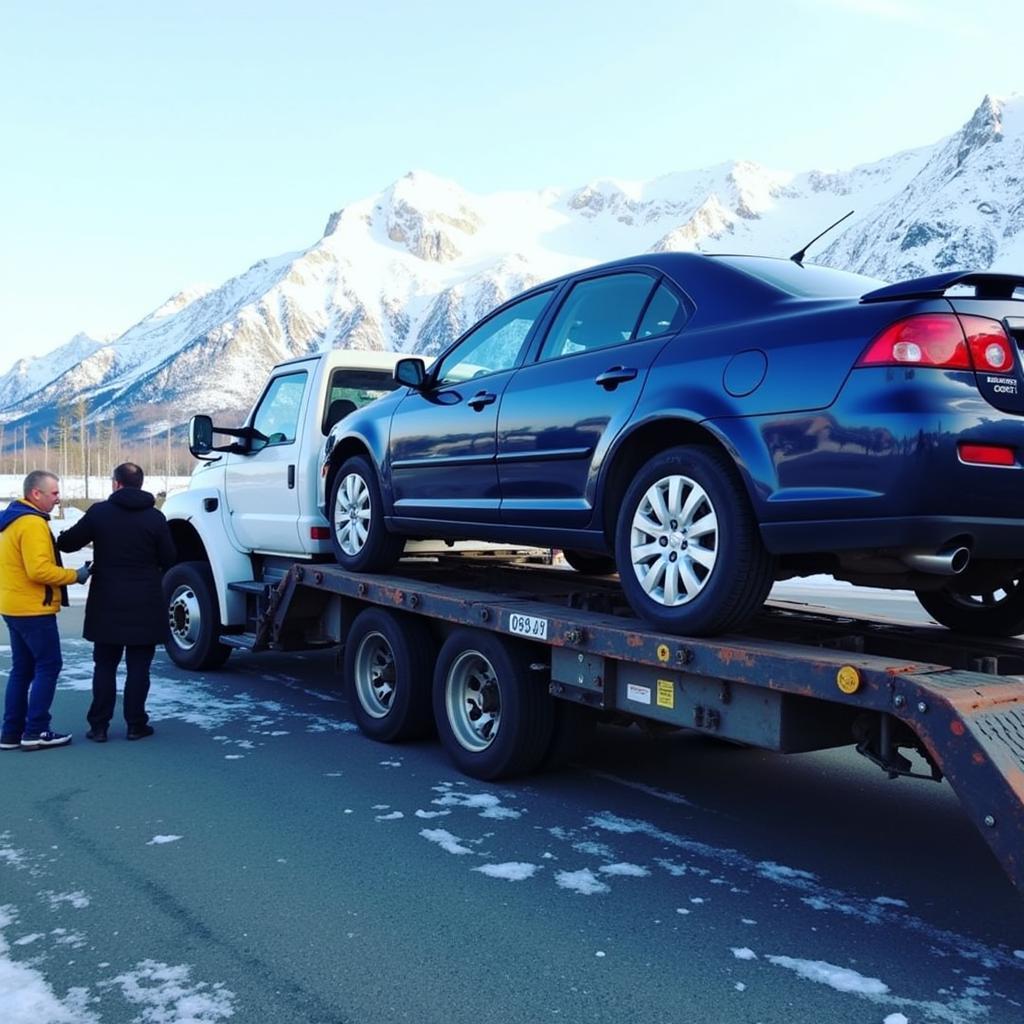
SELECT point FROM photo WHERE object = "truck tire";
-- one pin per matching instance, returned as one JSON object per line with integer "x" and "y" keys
{"x": 387, "y": 671}
{"x": 589, "y": 563}
{"x": 573, "y": 732}
{"x": 997, "y": 612}
{"x": 193, "y": 623}
{"x": 493, "y": 712}
{"x": 359, "y": 536}
{"x": 689, "y": 551}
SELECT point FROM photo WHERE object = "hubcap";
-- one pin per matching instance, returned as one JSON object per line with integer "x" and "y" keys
{"x": 473, "y": 701}
{"x": 989, "y": 598}
{"x": 185, "y": 617}
{"x": 374, "y": 674}
{"x": 673, "y": 540}
{"x": 352, "y": 514}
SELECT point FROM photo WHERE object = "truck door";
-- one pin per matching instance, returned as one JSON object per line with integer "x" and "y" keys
{"x": 261, "y": 491}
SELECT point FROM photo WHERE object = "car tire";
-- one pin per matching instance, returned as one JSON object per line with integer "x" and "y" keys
{"x": 493, "y": 712}
{"x": 997, "y": 612}
{"x": 388, "y": 662}
{"x": 720, "y": 574}
{"x": 589, "y": 563}
{"x": 193, "y": 622}
{"x": 359, "y": 536}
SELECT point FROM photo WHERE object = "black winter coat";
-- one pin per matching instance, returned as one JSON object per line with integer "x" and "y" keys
{"x": 132, "y": 548}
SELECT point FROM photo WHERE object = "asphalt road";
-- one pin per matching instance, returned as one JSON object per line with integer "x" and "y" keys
{"x": 258, "y": 860}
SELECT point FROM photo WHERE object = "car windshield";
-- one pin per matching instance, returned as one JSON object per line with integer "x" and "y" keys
{"x": 360, "y": 385}
{"x": 808, "y": 281}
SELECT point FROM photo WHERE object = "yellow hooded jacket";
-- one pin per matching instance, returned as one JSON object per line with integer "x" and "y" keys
{"x": 30, "y": 578}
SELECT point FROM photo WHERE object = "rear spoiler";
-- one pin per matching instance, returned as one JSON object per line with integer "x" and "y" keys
{"x": 987, "y": 286}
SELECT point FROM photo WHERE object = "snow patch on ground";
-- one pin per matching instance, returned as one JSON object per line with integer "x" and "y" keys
{"x": 159, "y": 840}
{"x": 444, "y": 839}
{"x": 512, "y": 871}
{"x": 584, "y": 882}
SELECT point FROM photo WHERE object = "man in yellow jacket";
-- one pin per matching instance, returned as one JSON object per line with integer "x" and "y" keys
{"x": 32, "y": 590}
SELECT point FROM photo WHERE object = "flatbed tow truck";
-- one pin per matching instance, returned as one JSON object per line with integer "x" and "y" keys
{"x": 512, "y": 664}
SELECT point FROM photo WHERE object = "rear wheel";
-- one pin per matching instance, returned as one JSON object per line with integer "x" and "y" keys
{"x": 359, "y": 536}
{"x": 493, "y": 712}
{"x": 999, "y": 611}
{"x": 589, "y": 563}
{"x": 688, "y": 547}
{"x": 193, "y": 634}
{"x": 388, "y": 661}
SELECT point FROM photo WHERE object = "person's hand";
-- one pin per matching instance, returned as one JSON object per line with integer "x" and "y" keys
{"x": 83, "y": 572}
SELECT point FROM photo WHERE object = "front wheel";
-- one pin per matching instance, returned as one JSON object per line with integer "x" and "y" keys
{"x": 359, "y": 536}
{"x": 493, "y": 712}
{"x": 998, "y": 611}
{"x": 193, "y": 625}
{"x": 688, "y": 547}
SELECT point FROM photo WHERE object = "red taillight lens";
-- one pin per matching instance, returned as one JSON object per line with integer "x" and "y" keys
{"x": 987, "y": 454}
{"x": 319, "y": 533}
{"x": 943, "y": 340}
{"x": 988, "y": 344}
{"x": 931, "y": 339}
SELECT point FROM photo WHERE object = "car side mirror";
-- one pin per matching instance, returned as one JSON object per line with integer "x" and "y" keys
{"x": 200, "y": 436}
{"x": 411, "y": 372}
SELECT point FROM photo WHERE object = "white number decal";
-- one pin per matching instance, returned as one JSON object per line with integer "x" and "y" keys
{"x": 528, "y": 625}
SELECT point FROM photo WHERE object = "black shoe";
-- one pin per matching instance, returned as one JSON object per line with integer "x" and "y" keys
{"x": 43, "y": 740}
{"x": 98, "y": 734}
{"x": 10, "y": 741}
{"x": 140, "y": 732}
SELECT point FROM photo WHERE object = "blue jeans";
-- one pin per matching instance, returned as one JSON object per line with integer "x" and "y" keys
{"x": 35, "y": 664}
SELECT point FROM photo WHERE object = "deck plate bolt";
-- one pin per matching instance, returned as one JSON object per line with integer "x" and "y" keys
{"x": 990, "y": 821}
{"x": 899, "y": 700}
{"x": 922, "y": 707}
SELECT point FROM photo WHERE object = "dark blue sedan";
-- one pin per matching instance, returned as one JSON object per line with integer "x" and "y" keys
{"x": 706, "y": 425}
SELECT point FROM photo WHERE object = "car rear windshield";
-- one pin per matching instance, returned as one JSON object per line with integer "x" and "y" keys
{"x": 808, "y": 282}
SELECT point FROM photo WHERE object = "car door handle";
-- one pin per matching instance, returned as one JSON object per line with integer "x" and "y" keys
{"x": 482, "y": 398}
{"x": 291, "y": 478}
{"x": 614, "y": 376}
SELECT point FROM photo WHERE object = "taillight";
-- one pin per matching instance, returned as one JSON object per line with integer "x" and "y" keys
{"x": 944, "y": 340}
{"x": 319, "y": 533}
{"x": 987, "y": 454}
{"x": 989, "y": 346}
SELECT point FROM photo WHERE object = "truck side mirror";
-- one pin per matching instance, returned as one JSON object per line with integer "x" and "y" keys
{"x": 200, "y": 436}
{"x": 410, "y": 372}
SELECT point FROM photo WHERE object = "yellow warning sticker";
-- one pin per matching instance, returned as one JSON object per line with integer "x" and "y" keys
{"x": 666, "y": 694}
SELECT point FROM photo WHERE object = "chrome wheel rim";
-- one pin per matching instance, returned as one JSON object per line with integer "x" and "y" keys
{"x": 352, "y": 514}
{"x": 673, "y": 540}
{"x": 374, "y": 675}
{"x": 184, "y": 617}
{"x": 473, "y": 701}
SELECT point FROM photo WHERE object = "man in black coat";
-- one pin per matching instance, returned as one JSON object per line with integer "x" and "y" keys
{"x": 124, "y": 612}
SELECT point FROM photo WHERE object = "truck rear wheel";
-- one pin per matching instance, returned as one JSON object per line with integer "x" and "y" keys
{"x": 493, "y": 713}
{"x": 359, "y": 536}
{"x": 193, "y": 625}
{"x": 388, "y": 659}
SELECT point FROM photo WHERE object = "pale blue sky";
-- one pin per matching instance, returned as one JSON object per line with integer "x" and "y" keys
{"x": 151, "y": 146}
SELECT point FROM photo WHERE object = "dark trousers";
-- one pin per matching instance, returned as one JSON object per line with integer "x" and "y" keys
{"x": 35, "y": 665}
{"x": 106, "y": 658}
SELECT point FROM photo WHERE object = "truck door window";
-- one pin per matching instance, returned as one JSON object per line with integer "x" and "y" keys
{"x": 277, "y": 415}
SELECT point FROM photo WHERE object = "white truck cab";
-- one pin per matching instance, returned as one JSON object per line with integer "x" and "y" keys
{"x": 252, "y": 504}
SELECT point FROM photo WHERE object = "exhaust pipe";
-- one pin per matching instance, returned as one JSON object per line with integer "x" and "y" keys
{"x": 950, "y": 562}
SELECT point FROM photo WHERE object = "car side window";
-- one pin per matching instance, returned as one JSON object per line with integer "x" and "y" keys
{"x": 663, "y": 314}
{"x": 277, "y": 416}
{"x": 597, "y": 314}
{"x": 495, "y": 345}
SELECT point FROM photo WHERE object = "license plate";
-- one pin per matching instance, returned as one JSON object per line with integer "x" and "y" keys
{"x": 528, "y": 625}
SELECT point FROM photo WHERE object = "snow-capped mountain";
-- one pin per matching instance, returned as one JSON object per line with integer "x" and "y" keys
{"x": 412, "y": 267}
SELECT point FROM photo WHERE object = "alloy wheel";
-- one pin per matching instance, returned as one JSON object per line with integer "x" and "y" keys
{"x": 352, "y": 514}
{"x": 673, "y": 541}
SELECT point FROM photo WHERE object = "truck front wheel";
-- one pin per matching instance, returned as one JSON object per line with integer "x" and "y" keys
{"x": 359, "y": 536}
{"x": 193, "y": 634}
{"x": 493, "y": 713}
{"x": 388, "y": 660}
